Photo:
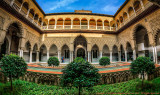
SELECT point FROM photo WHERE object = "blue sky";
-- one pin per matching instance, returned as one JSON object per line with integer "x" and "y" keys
{"x": 96, "y": 6}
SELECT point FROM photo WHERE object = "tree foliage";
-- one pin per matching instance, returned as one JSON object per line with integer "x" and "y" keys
{"x": 141, "y": 66}
{"x": 104, "y": 61}
{"x": 53, "y": 61}
{"x": 13, "y": 66}
{"x": 80, "y": 73}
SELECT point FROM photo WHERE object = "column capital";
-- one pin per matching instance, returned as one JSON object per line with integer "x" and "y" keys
{"x": 37, "y": 51}
{"x": 22, "y": 48}
{"x": 134, "y": 48}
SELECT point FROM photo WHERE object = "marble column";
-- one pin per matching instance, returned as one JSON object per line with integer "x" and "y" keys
{"x": 59, "y": 55}
{"x": 47, "y": 54}
{"x": 21, "y": 53}
{"x": 134, "y": 54}
{"x": 119, "y": 56}
{"x": 71, "y": 56}
{"x": 100, "y": 56}
{"x": 37, "y": 57}
{"x": 89, "y": 56}
{"x": 125, "y": 56}
{"x": 142, "y": 4}
{"x": 55, "y": 24}
{"x": 103, "y": 25}
{"x": 110, "y": 56}
{"x": 92, "y": 56}
{"x": 63, "y": 23}
{"x": 30, "y": 57}
{"x": 71, "y": 24}
{"x": 12, "y": 2}
{"x": 2, "y": 36}
{"x": 155, "y": 49}
{"x": 153, "y": 53}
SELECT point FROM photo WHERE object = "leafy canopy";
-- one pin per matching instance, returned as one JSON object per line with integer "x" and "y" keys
{"x": 13, "y": 66}
{"x": 142, "y": 65}
{"x": 53, "y": 61}
{"x": 104, "y": 61}
{"x": 80, "y": 73}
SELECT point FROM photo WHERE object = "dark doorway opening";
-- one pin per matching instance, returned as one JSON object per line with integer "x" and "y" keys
{"x": 81, "y": 53}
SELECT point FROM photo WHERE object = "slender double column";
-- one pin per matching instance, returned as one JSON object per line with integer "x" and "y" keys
{"x": 21, "y": 53}
{"x": 71, "y": 56}
{"x": 89, "y": 56}
{"x": 100, "y": 55}
{"x": 155, "y": 54}
{"x": 125, "y": 55}
{"x": 110, "y": 56}
{"x": 37, "y": 56}
{"x": 119, "y": 56}
{"x": 30, "y": 57}
{"x": 59, "y": 55}
{"x": 134, "y": 54}
{"x": 47, "y": 54}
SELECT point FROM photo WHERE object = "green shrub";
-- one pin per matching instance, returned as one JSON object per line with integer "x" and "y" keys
{"x": 53, "y": 61}
{"x": 104, "y": 61}
{"x": 13, "y": 66}
{"x": 141, "y": 66}
{"x": 79, "y": 73}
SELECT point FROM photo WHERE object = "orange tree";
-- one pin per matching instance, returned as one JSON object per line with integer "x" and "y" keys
{"x": 79, "y": 74}
{"x": 13, "y": 67}
{"x": 141, "y": 66}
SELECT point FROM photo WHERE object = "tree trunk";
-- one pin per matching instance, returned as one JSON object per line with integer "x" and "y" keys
{"x": 79, "y": 90}
{"x": 142, "y": 80}
{"x": 11, "y": 82}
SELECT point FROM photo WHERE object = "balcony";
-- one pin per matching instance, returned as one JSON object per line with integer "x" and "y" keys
{"x": 21, "y": 11}
{"x": 137, "y": 13}
{"x": 78, "y": 27}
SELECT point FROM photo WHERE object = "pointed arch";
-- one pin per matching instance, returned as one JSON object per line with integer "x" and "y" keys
{"x": 26, "y": 53}
{"x": 34, "y": 53}
{"x": 129, "y": 52}
{"x": 122, "y": 52}
{"x": 53, "y": 51}
{"x": 18, "y": 24}
{"x": 115, "y": 53}
{"x": 141, "y": 37}
{"x": 105, "y": 51}
{"x": 43, "y": 53}
{"x": 95, "y": 53}
{"x": 65, "y": 53}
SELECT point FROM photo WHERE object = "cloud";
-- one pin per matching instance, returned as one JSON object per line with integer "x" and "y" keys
{"x": 62, "y": 3}
{"x": 110, "y": 8}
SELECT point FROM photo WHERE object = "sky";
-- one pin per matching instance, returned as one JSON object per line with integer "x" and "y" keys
{"x": 96, "y": 6}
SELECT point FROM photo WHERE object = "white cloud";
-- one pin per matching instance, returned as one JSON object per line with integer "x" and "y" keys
{"x": 62, "y": 3}
{"x": 110, "y": 8}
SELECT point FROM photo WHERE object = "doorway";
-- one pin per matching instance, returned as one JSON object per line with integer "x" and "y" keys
{"x": 81, "y": 53}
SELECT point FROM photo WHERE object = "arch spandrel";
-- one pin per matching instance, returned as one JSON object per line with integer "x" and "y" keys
{"x": 65, "y": 44}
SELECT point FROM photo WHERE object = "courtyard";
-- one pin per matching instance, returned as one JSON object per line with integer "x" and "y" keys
{"x": 85, "y": 47}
